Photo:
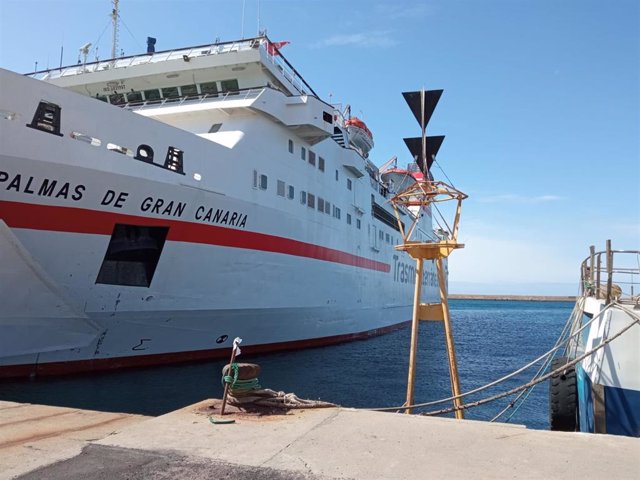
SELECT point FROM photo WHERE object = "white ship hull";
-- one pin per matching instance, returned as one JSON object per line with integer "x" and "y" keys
{"x": 237, "y": 260}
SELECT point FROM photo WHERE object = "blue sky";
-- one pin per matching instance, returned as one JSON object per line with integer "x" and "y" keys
{"x": 541, "y": 105}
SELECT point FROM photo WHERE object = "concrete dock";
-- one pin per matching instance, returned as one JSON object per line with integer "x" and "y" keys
{"x": 301, "y": 444}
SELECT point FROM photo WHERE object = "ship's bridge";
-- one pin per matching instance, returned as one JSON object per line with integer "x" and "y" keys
{"x": 206, "y": 69}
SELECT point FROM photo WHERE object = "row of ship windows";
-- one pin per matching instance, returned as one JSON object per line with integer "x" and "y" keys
{"x": 261, "y": 181}
{"x": 310, "y": 156}
{"x": 209, "y": 88}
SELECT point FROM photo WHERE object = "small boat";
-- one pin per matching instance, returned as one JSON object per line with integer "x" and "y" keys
{"x": 359, "y": 135}
{"x": 599, "y": 390}
{"x": 399, "y": 179}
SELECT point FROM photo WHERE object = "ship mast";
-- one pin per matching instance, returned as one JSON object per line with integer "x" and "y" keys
{"x": 114, "y": 19}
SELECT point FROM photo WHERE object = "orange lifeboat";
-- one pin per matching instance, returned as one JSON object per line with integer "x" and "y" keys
{"x": 359, "y": 135}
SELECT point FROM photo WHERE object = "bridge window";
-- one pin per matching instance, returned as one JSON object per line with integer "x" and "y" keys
{"x": 321, "y": 164}
{"x": 229, "y": 85}
{"x": 117, "y": 99}
{"x": 349, "y": 184}
{"x": 209, "y": 88}
{"x": 303, "y": 197}
{"x": 290, "y": 146}
{"x": 303, "y": 153}
{"x": 312, "y": 158}
{"x": 291, "y": 193}
{"x": 348, "y": 219}
{"x": 134, "y": 97}
{"x": 311, "y": 200}
{"x": 189, "y": 90}
{"x": 320, "y": 204}
{"x": 152, "y": 94}
{"x": 263, "y": 182}
{"x": 170, "y": 92}
{"x": 280, "y": 188}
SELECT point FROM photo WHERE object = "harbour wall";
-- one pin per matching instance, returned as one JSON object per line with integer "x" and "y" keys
{"x": 523, "y": 298}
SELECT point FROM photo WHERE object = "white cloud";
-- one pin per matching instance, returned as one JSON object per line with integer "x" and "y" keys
{"x": 368, "y": 39}
{"x": 515, "y": 198}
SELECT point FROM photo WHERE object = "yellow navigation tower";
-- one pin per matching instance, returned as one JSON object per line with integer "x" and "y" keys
{"x": 423, "y": 195}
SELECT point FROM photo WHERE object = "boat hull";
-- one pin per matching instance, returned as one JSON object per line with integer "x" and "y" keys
{"x": 608, "y": 382}
{"x": 233, "y": 260}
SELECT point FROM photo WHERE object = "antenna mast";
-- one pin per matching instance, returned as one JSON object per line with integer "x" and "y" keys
{"x": 114, "y": 17}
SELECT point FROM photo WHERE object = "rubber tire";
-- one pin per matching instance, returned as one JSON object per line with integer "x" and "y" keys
{"x": 563, "y": 398}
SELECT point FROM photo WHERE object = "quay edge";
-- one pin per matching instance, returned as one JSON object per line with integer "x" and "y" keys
{"x": 333, "y": 443}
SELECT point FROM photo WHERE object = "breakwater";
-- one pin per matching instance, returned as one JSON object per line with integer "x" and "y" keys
{"x": 517, "y": 298}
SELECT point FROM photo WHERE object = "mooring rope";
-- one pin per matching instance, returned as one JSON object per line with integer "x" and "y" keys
{"x": 238, "y": 387}
{"x": 245, "y": 393}
{"x": 516, "y": 372}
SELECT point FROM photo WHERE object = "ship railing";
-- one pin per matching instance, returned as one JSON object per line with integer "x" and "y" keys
{"x": 241, "y": 94}
{"x": 288, "y": 71}
{"x": 611, "y": 275}
{"x": 156, "y": 57}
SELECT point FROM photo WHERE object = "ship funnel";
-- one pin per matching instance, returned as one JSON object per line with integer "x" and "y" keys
{"x": 151, "y": 45}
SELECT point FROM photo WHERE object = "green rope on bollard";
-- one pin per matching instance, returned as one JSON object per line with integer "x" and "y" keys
{"x": 239, "y": 387}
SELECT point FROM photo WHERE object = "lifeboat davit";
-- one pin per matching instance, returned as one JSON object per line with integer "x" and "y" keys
{"x": 359, "y": 135}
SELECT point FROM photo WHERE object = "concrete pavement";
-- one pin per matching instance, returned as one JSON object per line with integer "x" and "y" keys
{"x": 343, "y": 443}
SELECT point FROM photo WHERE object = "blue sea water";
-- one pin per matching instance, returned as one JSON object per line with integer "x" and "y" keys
{"x": 492, "y": 338}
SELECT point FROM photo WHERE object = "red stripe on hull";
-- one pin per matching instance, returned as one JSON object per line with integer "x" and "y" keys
{"x": 103, "y": 364}
{"x": 81, "y": 220}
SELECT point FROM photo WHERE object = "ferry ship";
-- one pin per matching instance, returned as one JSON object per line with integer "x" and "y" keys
{"x": 156, "y": 206}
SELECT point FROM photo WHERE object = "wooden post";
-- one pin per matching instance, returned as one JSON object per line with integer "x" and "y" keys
{"x": 456, "y": 221}
{"x": 226, "y": 385}
{"x": 414, "y": 333}
{"x": 592, "y": 266}
{"x": 598, "y": 289}
{"x": 448, "y": 331}
{"x": 609, "y": 270}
